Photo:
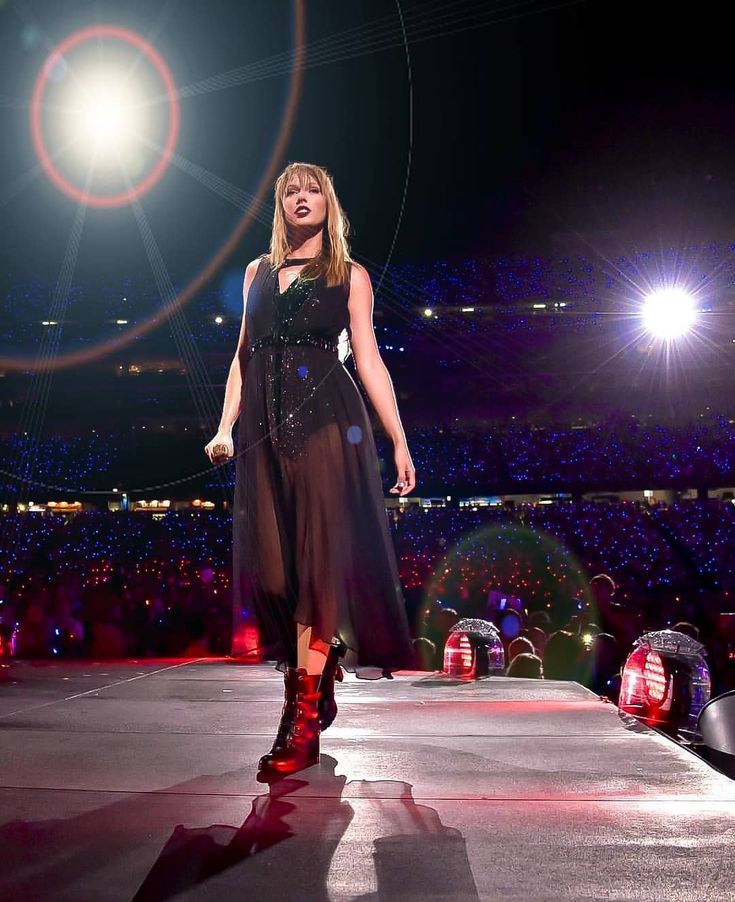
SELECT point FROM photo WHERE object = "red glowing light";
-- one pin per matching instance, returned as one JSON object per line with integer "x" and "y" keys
{"x": 654, "y": 678}
{"x": 458, "y": 655}
{"x": 644, "y": 682}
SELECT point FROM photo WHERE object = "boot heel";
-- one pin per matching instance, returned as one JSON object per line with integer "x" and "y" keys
{"x": 327, "y": 704}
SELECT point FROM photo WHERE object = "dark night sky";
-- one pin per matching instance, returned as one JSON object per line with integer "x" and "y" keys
{"x": 596, "y": 116}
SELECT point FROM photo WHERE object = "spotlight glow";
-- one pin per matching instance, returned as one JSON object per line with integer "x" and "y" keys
{"x": 105, "y": 117}
{"x": 105, "y": 112}
{"x": 200, "y": 279}
{"x": 669, "y": 313}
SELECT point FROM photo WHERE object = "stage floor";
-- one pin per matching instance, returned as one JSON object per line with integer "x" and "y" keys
{"x": 136, "y": 781}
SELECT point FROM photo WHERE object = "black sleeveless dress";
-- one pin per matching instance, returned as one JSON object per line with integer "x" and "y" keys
{"x": 311, "y": 542}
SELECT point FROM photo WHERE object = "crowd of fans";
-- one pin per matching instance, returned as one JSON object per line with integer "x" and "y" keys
{"x": 101, "y": 585}
{"x": 618, "y": 451}
{"x": 579, "y": 285}
{"x": 590, "y": 647}
{"x": 469, "y": 459}
{"x": 106, "y": 585}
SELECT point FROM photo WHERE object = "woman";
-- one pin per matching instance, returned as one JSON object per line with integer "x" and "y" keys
{"x": 313, "y": 557}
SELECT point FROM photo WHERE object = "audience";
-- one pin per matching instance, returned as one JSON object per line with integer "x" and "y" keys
{"x": 520, "y": 646}
{"x": 104, "y": 585}
{"x": 466, "y": 457}
{"x": 570, "y": 585}
{"x": 527, "y": 666}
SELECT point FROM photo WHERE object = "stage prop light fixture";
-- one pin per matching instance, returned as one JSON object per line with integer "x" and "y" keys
{"x": 245, "y": 644}
{"x": 666, "y": 681}
{"x": 473, "y": 649}
{"x": 669, "y": 313}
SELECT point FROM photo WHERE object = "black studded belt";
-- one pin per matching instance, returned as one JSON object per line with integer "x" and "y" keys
{"x": 305, "y": 338}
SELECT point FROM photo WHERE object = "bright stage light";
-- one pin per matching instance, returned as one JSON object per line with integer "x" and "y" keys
{"x": 92, "y": 96}
{"x": 669, "y": 313}
{"x": 105, "y": 114}
{"x": 104, "y": 118}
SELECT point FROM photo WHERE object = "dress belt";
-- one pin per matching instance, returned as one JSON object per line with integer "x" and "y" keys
{"x": 305, "y": 338}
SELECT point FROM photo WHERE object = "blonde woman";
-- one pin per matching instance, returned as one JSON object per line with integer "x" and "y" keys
{"x": 313, "y": 560}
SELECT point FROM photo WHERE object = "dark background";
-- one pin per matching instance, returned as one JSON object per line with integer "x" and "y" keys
{"x": 506, "y": 129}
{"x": 527, "y": 122}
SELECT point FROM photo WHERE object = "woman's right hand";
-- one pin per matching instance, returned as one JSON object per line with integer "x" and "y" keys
{"x": 226, "y": 449}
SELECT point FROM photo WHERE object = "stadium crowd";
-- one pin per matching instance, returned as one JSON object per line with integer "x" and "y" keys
{"x": 575, "y": 281}
{"x": 614, "y": 453}
{"x": 107, "y": 585}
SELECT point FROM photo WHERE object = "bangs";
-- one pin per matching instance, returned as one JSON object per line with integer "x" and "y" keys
{"x": 303, "y": 175}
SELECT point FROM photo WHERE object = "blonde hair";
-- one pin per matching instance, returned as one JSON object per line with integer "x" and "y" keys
{"x": 334, "y": 260}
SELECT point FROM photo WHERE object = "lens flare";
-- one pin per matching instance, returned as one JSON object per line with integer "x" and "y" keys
{"x": 224, "y": 253}
{"x": 106, "y": 116}
{"x": 103, "y": 111}
{"x": 669, "y": 313}
{"x": 521, "y": 560}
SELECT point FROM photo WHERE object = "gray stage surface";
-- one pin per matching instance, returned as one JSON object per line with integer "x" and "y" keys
{"x": 136, "y": 780}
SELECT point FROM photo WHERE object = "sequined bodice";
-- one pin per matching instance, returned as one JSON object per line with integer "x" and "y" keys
{"x": 291, "y": 354}
{"x": 305, "y": 306}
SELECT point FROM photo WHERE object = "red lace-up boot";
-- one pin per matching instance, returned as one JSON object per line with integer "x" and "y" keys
{"x": 301, "y": 748}
{"x": 288, "y": 712}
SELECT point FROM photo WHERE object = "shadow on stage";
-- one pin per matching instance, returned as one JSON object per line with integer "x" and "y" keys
{"x": 286, "y": 846}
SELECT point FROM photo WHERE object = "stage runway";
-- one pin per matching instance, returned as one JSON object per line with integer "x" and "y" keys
{"x": 136, "y": 781}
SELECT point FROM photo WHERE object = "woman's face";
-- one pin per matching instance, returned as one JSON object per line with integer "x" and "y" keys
{"x": 304, "y": 205}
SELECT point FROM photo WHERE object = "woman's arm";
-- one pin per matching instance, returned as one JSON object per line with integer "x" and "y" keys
{"x": 233, "y": 389}
{"x": 374, "y": 374}
{"x": 231, "y": 406}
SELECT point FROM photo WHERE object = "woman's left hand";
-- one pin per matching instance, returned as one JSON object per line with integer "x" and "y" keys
{"x": 406, "y": 474}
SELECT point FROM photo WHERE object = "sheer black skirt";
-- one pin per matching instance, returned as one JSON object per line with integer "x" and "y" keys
{"x": 311, "y": 542}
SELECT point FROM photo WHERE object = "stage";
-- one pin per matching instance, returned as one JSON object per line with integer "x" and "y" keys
{"x": 136, "y": 781}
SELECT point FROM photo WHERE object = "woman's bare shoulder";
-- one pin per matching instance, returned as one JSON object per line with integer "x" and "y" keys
{"x": 254, "y": 264}
{"x": 359, "y": 277}
{"x": 252, "y": 267}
